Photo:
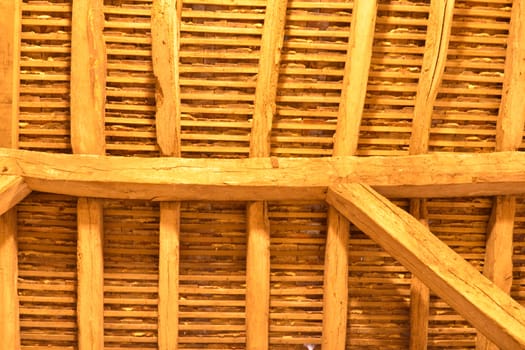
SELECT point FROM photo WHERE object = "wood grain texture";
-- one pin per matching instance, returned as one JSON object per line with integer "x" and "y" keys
{"x": 171, "y": 179}
{"x": 434, "y": 59}
{"x": 9, "y": 71}
{"x": 456, "y": 281}
{"x": 335, "y": 302}
{"x": 13, "y": 190}
{"x": 257, "y": 276}
{"x": 9, "y": 313}
{"x": 419, "y": 292}
{"x": 88, "y": 77}
{"x": 355, "y": 79}
{"x": 169, "y": 242}
{"x": 90, "y": 274}
{"x": 267, "y": 77}
{"x": 165, "y": 45}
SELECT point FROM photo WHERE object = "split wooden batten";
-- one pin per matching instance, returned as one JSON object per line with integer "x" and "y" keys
{"x": 225, "y": 113}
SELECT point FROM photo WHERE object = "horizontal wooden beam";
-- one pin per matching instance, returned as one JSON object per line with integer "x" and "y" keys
{"x": 172, "y": 179}
{"x": 476, "y": 298}
{"x": 13, "y": 189}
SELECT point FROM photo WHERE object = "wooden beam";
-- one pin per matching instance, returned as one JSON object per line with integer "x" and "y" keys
{"x": 165, "y": 179}
{"x": 9, "y": 314}
{"x": 10, "y": 27}
{"x": 257, "y": 276}
{"x": 509, "y": 133}
{"x": 258, "y": 245}
{"x": 355, "y": 77}
{"x": 165, "y": 45}
{"x": 511, "y": 119}
{"x": 335, "y": 302}
{"x": 268, "y": 76}
{"x": 456, "y": 281}
{"x": 13, "y": 190}
{"x": 88, "y": 77}
{"x": 419, "y": 292}
{"x": 434, "y": 59}
{"x": 90, "y": 275}
{"x": 350, "y": 112}
{"x": 169, "y": 275}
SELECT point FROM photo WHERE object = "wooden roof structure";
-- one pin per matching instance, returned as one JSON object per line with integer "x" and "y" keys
{"x": 262, "y": 174}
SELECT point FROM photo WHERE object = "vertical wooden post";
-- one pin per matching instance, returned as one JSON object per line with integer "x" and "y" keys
{"x": 90, "y": 269}
{"x": 165, "y": 33}
{"x": 88, "y": 98}
{"x": 10, "y": 27}
{"x": 509, "y": 131}
{"x": 257, "y": 276}
{"x": 433, "y": 67}
{"x": 350, "y": 112}
{"x": 258, "y": 245}
{"x": 169, "y": 275}
{"x": 10, "y": 325}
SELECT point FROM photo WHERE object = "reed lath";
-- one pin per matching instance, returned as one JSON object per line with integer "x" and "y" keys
{"x": 221, "y": 44}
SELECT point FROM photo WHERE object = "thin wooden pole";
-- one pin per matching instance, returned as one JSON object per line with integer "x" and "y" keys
{"x": 90, "y": 270}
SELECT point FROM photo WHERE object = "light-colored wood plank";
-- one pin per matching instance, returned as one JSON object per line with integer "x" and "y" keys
{"x": 419, "y": 292}
{"x": 13, "y": 189}
{"x": 498, "y": 264}
{"x": 90, "y": 274}
{"x": 257, "y": 276}
{"x": 511, "y": 118}
{"x": 10, "y": 325}
{"x": 267, "y": 78}
{"x": 172, "y": 179}
{"x": 88, "y": 77}
{"x": 355, "y": 79}
{"x": 335, "y": 301}
{"x": 169, "y": 242}
{"x": 9, "y": 71}
{"x": 165, "y": 33}
{"x": 349, "y": 115}
{"x": 456, "y": 281}
{"x": 434, "y": 59}
{"x": 258, "y": 246}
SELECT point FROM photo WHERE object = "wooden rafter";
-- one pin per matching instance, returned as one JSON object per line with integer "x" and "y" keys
{"x": 434, "y": 59}
{"x": 90, "y": 274}
{"x": 481, "y": 302}
{"x": 88, "y": 77}
{"x": 258, "y": 243}
{"x": 165, "y": 45}
{"x": 350, "y": 112}
{"x": 165, "y": 33}
{"x": 88, "y": 104}
{"x": 13, "y": 189}
{"x": 509, "y": 131}
{"x": 165, "y": 179}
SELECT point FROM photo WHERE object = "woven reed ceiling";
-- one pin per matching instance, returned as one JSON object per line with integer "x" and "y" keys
{"x": 270, "y": 79}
